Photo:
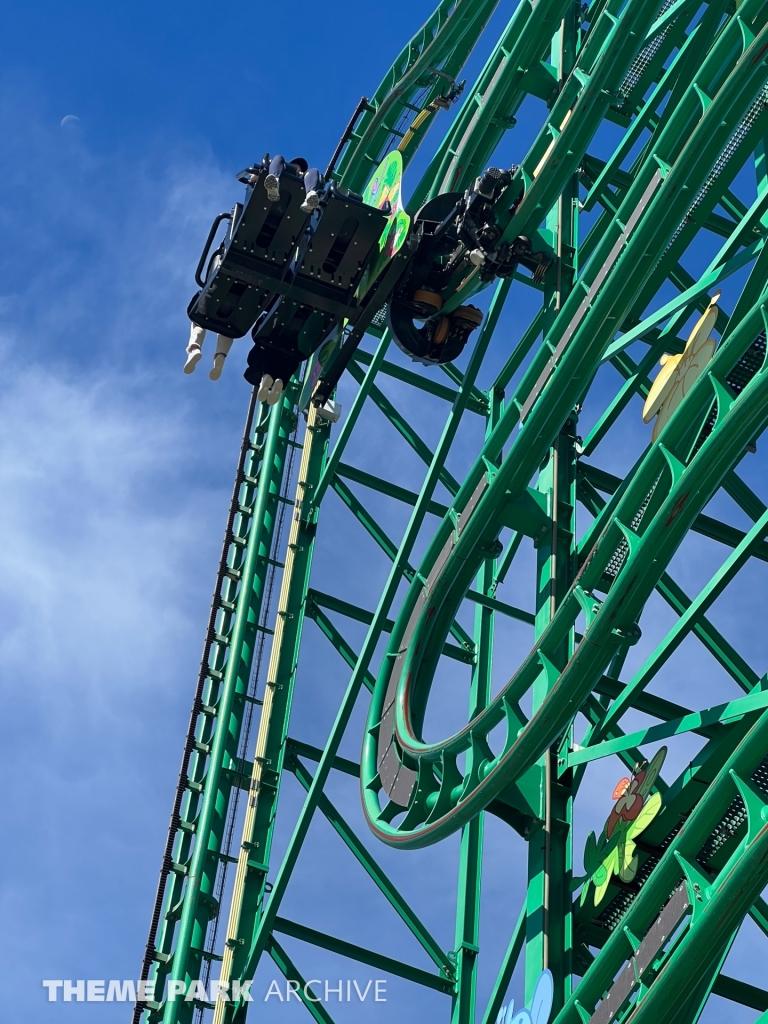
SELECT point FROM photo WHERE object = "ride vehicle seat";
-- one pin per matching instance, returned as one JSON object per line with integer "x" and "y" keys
{"x": 321, "y": 290}
{"x": 251, "y": 263}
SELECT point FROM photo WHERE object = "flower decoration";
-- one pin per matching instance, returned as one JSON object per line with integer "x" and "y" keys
{"x": 614, "y": 853}
{"x": 628, "y": 805}
{"x": 679, "y": 372}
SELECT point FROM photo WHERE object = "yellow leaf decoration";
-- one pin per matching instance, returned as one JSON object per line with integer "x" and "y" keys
{"x": 628, "y": 861}
{"x": 661, "y": 386}
{"x": 609, "y": 866}
{"x": 678, "y": 373}
{"x": 649, "y": 811}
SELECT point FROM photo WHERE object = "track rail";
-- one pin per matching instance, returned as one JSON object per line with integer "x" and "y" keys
{"x": 396, "y": 763}
{"x": 686, "y": 85}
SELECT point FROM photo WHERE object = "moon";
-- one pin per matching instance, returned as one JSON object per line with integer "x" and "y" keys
{"x": 70, "y": 119}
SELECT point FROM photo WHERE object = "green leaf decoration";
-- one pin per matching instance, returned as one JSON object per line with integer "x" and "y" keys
{"x": 629, "y": 871}
{"x": 645, "y": 817}
{"x": 600, "y": 890}
{"x": 591, "y": 855}
{"x": 628, "y": 861}
{"x": 603, "y": 876}
{"x": 652, "y": 772}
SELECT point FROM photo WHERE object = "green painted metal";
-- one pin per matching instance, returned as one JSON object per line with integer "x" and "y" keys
{"x": 311, "y": 998}
{"x": 425, "y": 71}
{"x": 258, "y": 828}
{"x": 376, "y": 873}
{"x": 365, "y": 956}
{"x": 197, "y": 830}
{"x": 681, "y": 91}
{"x": 563, "y": 387}
{"x": 700, "y": 824}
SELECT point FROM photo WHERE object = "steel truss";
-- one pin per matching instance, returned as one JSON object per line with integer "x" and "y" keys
{"x": 683, "y": 86}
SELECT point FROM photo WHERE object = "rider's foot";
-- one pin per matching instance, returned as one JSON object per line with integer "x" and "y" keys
{"x": 266, "y": 384}
{"x": 194, "y": 347}
{"x": 311, "y": 202}
{"x": 194, "y": 355}
{"x": 272, "y": 185}
{"x": 218, "y": 365}
{"x": 275, "y": 392}
{"x": 477, "y": 258}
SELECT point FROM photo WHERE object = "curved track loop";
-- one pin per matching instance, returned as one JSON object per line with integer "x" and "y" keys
{"x": 493, "y": 101}
{"x": 686, "y": 84}
{"x": 423, "y": 72}
{"x": 425, "y": 780}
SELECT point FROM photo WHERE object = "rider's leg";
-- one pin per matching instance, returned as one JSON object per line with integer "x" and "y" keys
{"x": 272, "y": 180}
{"x": 194, "y": 348}
{"x": 270, "y": 370}
{"x": 254, "y": 372}
{"x": 281, "y": 367}
{"x": 313, "y": 185}
{"x": 259, "y": 362}
{"x": 223, "y": 345}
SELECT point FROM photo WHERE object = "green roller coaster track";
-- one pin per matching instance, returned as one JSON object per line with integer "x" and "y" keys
{"x": 674, "y": 98}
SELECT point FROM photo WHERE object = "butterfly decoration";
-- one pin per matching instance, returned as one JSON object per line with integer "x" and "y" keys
{"x": 541, "y": 1004}
{"x": 679, "y": 372}
{"x": 621, "y": 787}
{"x": 614, "y": 853}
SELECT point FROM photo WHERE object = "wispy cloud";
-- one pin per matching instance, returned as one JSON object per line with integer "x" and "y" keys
{"x": 115, "y": 472}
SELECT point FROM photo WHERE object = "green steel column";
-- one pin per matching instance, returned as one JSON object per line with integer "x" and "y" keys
{"x": 548, "y": 935}
{"x": 253, "y": 860}
{"x": 548, "y": 925}
{"x": 198, "y": 906}
{"x": 548, "y": 940}
{"x": 489, "y": 107}
{"x": 157, "y": 959}
{"x": 468, "y": 909}
{"x": 471, "y": 852}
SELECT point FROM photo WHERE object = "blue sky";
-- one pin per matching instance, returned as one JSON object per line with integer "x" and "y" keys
{"x": 115, "y": 471}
